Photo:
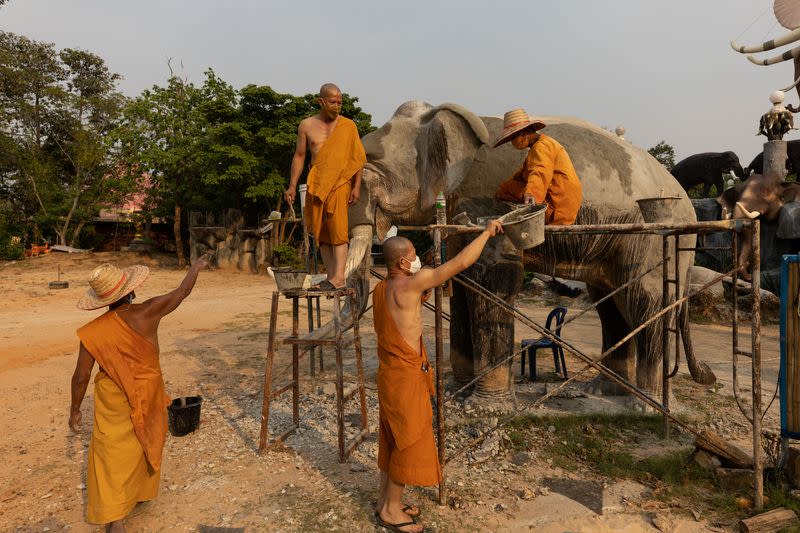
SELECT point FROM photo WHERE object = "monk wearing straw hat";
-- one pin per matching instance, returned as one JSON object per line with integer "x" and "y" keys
{"x": 547, "y": 175}
{"x": 130, "y": 403}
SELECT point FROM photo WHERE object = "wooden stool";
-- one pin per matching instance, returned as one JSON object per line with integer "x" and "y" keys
{"x": 308, "y": 343}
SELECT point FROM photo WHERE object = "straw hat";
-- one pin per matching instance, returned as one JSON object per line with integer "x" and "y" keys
{"x": 108, "y": 284}
{"x": 515, "y": 121}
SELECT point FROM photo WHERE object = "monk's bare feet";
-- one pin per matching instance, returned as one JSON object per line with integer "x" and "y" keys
{"x": 116, "y": 527}
{"x": 398, "y": 521}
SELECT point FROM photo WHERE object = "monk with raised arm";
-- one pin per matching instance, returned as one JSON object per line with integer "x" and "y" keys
{"x": 130, "y": 403}
{"x": 334, "y": 180}
{"x": 406, "y": 448}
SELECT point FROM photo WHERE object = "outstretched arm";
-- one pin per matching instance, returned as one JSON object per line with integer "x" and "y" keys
{"x": 429, "y": 278}
{"x": 80, "y": 380}
{"x": 161, "y": 306}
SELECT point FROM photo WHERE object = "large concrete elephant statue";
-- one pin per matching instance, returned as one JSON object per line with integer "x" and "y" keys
{"x": 423, "y": 149}
{"x": 707, "y": 168}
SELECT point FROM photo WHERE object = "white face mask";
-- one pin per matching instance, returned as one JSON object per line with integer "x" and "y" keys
{"x": 414, "y": 266}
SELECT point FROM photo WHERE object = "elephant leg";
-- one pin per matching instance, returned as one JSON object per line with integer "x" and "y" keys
{"x": 499, "y": 270}
{"x": 623, "y": 359}
{"x": 461, "y": 354}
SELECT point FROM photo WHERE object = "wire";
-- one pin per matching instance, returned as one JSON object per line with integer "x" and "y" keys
{"x": 754, "y": 21}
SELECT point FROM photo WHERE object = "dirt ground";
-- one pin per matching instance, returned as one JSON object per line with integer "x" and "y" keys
{"x": 214, "y": 480}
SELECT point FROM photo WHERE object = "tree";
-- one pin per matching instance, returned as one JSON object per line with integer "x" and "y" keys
{"x": 161, "y": 133}
{"x": 252, "y": 138}
{"x": 56, "y": 166}
{"x": 664, "y": 153}
{"x": 213, "y": 147}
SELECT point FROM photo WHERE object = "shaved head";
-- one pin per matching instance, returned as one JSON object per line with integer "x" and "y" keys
{"x": 329, "y": 88}
{"x": 394, "y": 248}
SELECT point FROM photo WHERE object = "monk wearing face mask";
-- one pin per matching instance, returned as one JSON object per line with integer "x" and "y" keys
{"x": 406, "y": 448}
{"x": 334, "y": 180}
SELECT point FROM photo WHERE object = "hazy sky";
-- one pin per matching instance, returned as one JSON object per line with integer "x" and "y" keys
{"x": 664, "y": 70}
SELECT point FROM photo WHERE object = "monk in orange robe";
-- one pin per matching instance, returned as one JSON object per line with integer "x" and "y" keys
{"x": 130, "y": 403}
{"x": 406, "y": 449}
{"x": 334, "y": 180}
{"x": 547, "y": 175}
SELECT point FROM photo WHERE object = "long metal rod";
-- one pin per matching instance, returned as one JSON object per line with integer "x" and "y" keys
{"x": 437, "y": 261}
{"x": 619, "y": 289}
{"x": 709, "y": 226}
{"x": 755, "y": 324}
{"x": 633, "y": 389}
{"x": 665, "y": 332}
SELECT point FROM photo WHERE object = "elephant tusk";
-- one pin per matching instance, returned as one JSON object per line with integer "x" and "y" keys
{"x": 790, "y": 37}
{"x": 789, "y": 54}
{"x": 359, "y": 246}
{"x": 748, "y": 214}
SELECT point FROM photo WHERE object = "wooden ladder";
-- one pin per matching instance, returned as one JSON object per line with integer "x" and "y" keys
{"x": 309, "y": 342}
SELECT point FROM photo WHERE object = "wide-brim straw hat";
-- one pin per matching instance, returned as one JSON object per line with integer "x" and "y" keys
{"x": 108, "y": 283}
{"x": 515, "y": 121}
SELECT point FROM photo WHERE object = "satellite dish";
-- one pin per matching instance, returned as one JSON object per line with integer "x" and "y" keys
{"x": 788, "y": 13}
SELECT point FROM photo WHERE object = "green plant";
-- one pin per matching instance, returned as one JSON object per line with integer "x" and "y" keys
{"x": 286, "y": 255}
{"x": 11, "y": 249}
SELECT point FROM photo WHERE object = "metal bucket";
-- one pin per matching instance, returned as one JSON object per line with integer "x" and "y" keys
{"x": 525, "y": 226}
{"x": 287, "y": 278}
{"x": 657, "y": 209}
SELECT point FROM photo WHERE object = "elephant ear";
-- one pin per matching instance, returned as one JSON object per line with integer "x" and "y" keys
{"x": 449, "y": 137}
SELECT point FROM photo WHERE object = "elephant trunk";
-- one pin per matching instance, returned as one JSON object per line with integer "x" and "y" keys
{"x": 700, "y": 372}
{"x": 790, "y": 37}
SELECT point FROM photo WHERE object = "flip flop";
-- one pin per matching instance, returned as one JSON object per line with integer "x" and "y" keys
{"x": 393, "y": 527}
{"x": 408, "y": 508}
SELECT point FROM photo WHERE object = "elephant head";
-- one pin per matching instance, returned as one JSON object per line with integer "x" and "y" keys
{"x": 420, "y": 151}
{"x": 757, "y": 196}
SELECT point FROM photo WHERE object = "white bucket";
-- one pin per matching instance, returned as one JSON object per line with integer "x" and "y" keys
{"x": 303, "y": 189}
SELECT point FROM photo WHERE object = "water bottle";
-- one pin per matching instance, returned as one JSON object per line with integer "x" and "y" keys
{"x": 441, "y": 209}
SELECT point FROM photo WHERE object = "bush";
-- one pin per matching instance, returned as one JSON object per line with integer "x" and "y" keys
{"x": 286, "y": 255}
{"x": 11, "y": 249}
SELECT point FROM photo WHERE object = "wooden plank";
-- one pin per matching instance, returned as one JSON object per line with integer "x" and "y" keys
{"x": 727, "y": 452}
{"x": 770, "y": 522}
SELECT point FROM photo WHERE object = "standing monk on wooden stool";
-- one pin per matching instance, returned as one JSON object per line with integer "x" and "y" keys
{"x": 334, "y": 181}
{"x": 547, "y": 175}
{"x": 407, "y": 452}
{"x": 130, "y": 404}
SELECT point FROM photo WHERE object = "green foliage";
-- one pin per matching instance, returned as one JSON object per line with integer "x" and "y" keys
{"x": 286, "y": 255}
{"x": 10, "y": 250}
{"x": 664, "y": 153}
{"x": 56, "y": 164}
{"x": 213, "y": 147}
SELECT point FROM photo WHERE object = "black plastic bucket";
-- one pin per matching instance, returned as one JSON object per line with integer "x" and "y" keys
{"x": 184, "y": 415}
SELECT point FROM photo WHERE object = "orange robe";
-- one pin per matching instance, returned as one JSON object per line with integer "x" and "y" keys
{"x": 339, "y": 158}
{"x": 130, "y": 423}
{"x": 406, "y": 447}
{"x": 548, "y": 175}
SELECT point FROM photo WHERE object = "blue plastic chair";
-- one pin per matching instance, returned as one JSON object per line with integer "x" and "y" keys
{"x": 531, "y": 345}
